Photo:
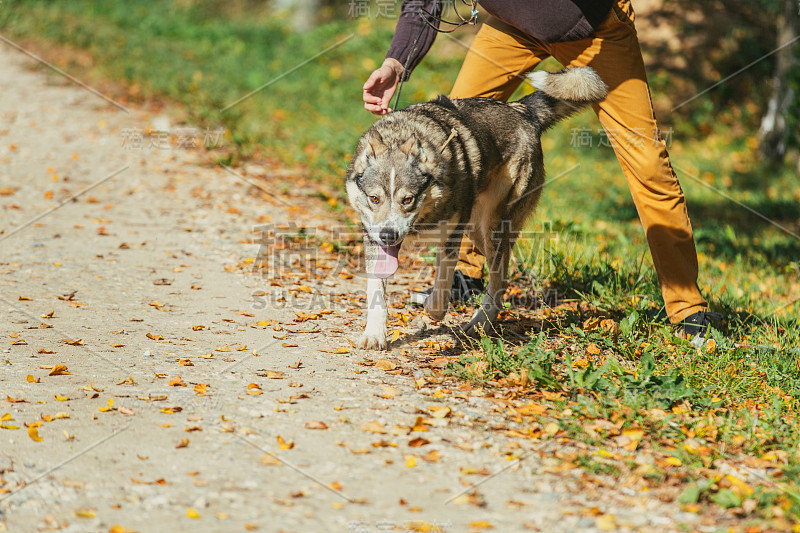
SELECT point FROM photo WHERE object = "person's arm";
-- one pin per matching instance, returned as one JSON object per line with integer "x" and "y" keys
{"x": 382, "y": 83}
{"x": 408, "y": 29}
{"x": 380, "y": 87}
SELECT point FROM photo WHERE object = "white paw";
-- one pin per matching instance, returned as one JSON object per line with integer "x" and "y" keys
{"x": 433, "y": 311}
{"x": 372, "y": 341}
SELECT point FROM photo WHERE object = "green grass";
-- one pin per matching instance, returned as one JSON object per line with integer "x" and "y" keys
{"x": 587, "y": 243}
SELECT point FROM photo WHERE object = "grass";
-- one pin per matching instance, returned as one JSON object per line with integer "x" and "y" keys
{"x": 607, "y": 355}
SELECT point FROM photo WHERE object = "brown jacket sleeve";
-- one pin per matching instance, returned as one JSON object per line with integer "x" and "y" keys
{"x": 409, "y": 26}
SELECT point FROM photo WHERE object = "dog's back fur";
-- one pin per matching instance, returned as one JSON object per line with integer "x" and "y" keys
{"x": 475, "y": 163}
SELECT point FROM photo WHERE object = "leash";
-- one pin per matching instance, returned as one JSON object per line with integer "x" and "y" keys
{"x": 427, "y": 17}
{"x": 473, "y": 16}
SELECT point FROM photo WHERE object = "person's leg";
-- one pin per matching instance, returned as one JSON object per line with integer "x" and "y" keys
{"x": 495, "y": 65}
{"x": 628, "y": 119}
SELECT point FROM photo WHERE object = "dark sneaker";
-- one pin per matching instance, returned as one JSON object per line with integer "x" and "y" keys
{"x": 696, "y": 326}
{"x": 465, "y": 289}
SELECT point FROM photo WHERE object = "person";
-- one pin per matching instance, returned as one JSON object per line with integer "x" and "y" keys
{"x": 519, "y": 35}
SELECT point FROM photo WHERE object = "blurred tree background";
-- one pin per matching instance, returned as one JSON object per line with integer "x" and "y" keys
{"x": 750, "y": 46}
{"x": 698, "y": 45}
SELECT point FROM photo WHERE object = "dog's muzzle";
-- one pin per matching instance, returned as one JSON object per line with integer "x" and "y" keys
{"x": 389, "y": 236}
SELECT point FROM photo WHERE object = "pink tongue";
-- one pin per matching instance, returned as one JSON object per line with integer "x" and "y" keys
{"x": 386, "y": 265}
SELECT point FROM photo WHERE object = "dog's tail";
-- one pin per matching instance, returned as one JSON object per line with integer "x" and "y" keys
{"x": 561, "y": 94}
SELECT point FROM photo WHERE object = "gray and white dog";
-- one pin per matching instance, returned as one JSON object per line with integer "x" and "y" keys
{"x": 446, "y": 168}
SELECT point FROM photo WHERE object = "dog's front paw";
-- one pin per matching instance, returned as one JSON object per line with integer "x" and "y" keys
{"x": 372, "y": 341}
{"x": 434, "y": 311}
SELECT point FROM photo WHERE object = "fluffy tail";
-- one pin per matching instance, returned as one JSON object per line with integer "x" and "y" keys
{"x": 561, "y": 94}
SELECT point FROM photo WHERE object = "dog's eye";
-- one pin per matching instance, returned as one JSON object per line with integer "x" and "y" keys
{"x": 407, "y": 200}
{"x": 374, "y": 199}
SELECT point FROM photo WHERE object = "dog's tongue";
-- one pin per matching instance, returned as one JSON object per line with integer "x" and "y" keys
{"x": 386, "y": 264}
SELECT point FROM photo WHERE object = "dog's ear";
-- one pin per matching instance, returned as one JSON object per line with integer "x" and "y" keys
{"x": 410, "y": 146}
{"x": 413, "y": 147}
{"x": 374, "y": 147}
{"x": 375, "y": 144}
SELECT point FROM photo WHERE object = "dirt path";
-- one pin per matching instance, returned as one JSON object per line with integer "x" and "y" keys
{"x": 183, "y": 404}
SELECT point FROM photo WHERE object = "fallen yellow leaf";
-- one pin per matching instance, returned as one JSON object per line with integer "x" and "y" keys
{"x": 419, "y": 425}
{"x": 78, "y": 342}
{"x": 433, "y": 456}
{"x": 738, "y": 486}
{"x": 439, "y": 411}
{"x": 59, "y": 370}
{"x": 109, "y": 408}
{"x": 374, "y": 427}
{"x": 33, "y": 432}
{"x": 385, "y": 364}
{"x": 337, "y": 350}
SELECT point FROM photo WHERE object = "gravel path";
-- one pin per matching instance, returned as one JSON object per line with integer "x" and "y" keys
{"x": 194, "y": 395}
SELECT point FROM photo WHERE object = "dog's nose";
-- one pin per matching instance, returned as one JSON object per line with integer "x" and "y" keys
{"x": 389, "y": 236}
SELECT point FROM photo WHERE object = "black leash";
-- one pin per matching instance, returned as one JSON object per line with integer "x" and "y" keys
{"x": 473, "y": 16}
{"x": 429, "y": 17}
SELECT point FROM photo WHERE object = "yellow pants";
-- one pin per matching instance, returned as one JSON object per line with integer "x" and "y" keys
{"x": 495, "y": 66}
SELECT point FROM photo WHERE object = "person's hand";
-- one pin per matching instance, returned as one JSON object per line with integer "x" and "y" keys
{"x": 380, "y": 87}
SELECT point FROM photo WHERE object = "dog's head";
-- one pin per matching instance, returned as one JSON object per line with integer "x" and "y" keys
{"x": 391, "y": 181}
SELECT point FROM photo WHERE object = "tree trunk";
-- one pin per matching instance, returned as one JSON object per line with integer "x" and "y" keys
{"x": 773, "y": 134}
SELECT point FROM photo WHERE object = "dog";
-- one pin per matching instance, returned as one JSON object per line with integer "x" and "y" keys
{"x": 451, "y": 167}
